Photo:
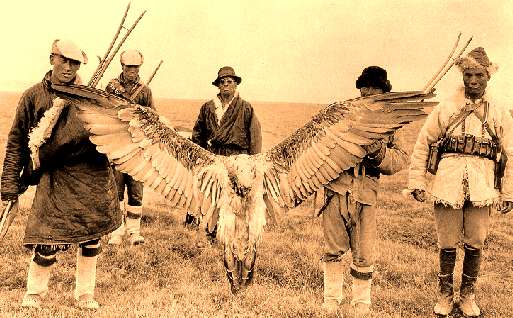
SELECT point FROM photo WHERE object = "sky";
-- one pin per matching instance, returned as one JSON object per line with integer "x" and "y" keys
{"x": 291, "y": 51}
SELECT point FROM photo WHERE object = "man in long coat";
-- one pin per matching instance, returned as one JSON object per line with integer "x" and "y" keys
{"x": 227, "y": 124}
{"x": 75, "y": 200}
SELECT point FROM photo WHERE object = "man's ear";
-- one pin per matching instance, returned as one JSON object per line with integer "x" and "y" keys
{"x": 51, "y": 59}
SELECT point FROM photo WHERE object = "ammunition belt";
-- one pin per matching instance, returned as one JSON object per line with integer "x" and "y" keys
{"x": 471, "y": 145}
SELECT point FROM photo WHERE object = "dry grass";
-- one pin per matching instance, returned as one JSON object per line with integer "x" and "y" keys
{"x": 171, "y": 277}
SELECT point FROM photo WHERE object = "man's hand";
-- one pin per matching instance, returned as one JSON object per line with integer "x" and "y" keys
{"x": 374, "y": 148}
{"x": 376, "y": 152}
{"x": 419, "y": 195}
{"x": 6, "y": 217}
{"x": 505, "y": 207}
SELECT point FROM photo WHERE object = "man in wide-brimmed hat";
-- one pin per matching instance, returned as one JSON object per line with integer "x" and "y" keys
{"x": 349, "y": 216}
{"x": 474, "y": 132}
{"x": 227, "y": 124}
{"x": 128, "y": 84}
{"x": 76, "y": 199}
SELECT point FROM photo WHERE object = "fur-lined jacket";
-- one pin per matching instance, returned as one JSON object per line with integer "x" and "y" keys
{"x": 462, "y": 177}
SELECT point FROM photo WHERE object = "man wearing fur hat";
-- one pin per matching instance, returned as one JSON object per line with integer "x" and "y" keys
{"x": 474, "y": 131}
{"x": 75, "y": 197}
{"x": 348, "y": 215}
{"x": 129, "y": 85}
{"x": 227, "y": 125}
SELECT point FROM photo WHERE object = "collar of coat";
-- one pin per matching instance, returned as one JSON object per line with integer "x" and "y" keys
{"x": 123, "y": 81}
{"x": 47, "y": 80}
{"x": 219, "y": 103}
{"x": 458, "y": 100}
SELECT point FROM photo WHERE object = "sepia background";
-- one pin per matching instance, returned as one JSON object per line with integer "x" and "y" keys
{"x": 293, "y": 51}
{"x": 293, "y": 57}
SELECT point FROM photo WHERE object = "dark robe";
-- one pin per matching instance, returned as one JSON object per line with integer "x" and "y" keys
{"x": 76, "y": 199}
{"x": 238, "y": 132}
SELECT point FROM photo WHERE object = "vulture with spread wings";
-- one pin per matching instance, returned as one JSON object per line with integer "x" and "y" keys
{"x": 144, "y": 145}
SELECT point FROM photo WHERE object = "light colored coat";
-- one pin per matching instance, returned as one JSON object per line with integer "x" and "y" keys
{"x": 447, "y": 186}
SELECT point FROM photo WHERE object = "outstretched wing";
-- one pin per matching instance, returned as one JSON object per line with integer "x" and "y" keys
{"x": 144, "y": 145}
{"x": 335, "y": 140}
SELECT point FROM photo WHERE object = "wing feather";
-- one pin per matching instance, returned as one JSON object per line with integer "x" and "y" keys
{"x": 335, "y": 140}
{"x": 309, "y": 164}
{"x": 156, "y": 182}
{"x": 138, "y": 143}
{"x": 350, "y": 137}
{"x": 126, "y": 157}
{"x": 104, "y": 129}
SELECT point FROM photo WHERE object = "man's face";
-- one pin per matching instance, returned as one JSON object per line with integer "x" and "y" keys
{"x": 64, "y": 69}
{"x": 130, "y": 72}
{"x": 368, "y": 91}
{"x": 227, "y": 86}
{"x": 475, "y": 81}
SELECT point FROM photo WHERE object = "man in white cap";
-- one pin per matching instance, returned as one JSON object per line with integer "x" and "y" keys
{"x": 474, "y": 131}
{"x": 76, "y": 192}
{"x": 129, "y": 85}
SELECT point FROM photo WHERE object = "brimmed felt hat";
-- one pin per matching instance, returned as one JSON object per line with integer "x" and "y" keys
{"x": 477, "y": 58}
{"x": 226, "y": 71}
{"x": 131, "y": 57}
{"x": 374, "y": 76}
{"x": 69, "y": 50}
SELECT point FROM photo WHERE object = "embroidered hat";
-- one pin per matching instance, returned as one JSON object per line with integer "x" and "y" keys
{"x": 374, "y": 76}
{"x": 131, "y": 57}
{"x": 226, "y": 71}
{"x": 69, "y": 50}
{"x": 477, "y": 58}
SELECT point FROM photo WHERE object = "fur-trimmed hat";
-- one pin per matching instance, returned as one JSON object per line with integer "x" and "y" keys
{"x": 476, "y": 58}
{"x": 226, "y": 71}
{"x": 374, "y": 76}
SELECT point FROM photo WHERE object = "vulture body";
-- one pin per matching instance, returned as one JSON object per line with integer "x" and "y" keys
{"x": 240, "y": 188}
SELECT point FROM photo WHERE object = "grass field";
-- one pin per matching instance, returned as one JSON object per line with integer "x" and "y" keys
{"x": 169, "y": 276}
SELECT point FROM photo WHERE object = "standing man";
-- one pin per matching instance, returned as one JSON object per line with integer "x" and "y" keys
{"x": 75, "y": 199}
{"x": 348, "y": 215}
{"x": 227, "y": 125}
{"x": 473, "y": 128}
{"x": 129, "y": 86}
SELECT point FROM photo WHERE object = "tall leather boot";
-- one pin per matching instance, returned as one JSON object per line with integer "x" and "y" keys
{"x": 471, "y": 265}
{"x": 133, "y": 224}
{"x": 445, "y": 303}
{"x": 85, "y": 276}
{"x": 362, "y": 282}
{"x": 333, "y": 287}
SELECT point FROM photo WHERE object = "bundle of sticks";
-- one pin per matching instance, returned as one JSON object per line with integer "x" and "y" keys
{"x": 449, "y": 62}
{"x": 109, "y": 55}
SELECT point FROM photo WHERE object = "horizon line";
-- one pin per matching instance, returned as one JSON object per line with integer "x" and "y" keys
{"x": 200, "y": 99}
